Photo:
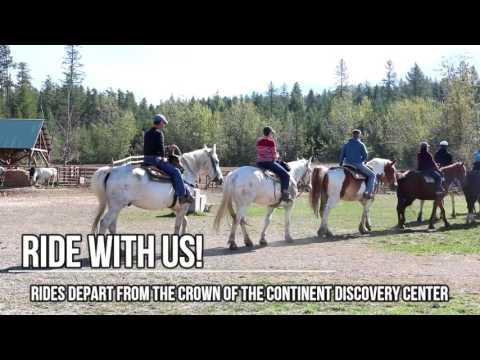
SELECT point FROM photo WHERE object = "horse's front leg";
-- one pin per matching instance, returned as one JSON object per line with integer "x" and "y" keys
{"x": 443, "y": 214}
{"x": 454, "y": 214}
{"x": 268, "y": 218}
{"x": 184, "y": 225}
{"x": 179, "y": 217}
{"x": 288, "y": 216}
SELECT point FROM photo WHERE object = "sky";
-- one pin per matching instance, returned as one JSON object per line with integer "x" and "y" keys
{"x": 157, "y": 72}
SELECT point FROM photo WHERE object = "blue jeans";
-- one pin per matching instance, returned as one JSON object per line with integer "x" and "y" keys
{"x": 171, "y": 170}
{"x": 279, "y": 170}
{"x": 371, "y": 177}
{"x": 436, "y": 176}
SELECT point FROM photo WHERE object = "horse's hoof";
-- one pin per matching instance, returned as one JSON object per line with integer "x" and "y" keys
{"x": 329, "y": 234}
{"x": 369, "y": 228}
{"x": 362, "y": 229}
{"x": 447, "y": 225}
{"x": 248, "y": 243}
{"x": 263, "y": 242}
{"x": 431, "y": 227}
{"x": 233, "y": 246}
{"x": 288, "y": 239}
{"x": 419, "y": 219}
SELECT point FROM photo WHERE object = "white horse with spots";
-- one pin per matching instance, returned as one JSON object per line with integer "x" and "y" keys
{"x": 121, "y": 186}
{"x": 249, "y": 184}
{"x": 335, "y": 184}
{"x": 45, "y": 176}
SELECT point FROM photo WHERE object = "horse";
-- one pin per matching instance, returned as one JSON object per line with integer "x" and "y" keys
{"x": 2, "y": 173}
{"x": 412, "y": 185}
{"x": 471, "y": 190}
{"x": 449, "y": 181}
{"x": 249, "y": 184}
{"x": 125, "y": 185}
{"x": 43, "y": 175}
{"x": 329, "y": 186}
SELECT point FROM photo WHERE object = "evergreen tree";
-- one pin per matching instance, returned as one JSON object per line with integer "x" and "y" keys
{"x": 342, "y": 77}
{"x": 417, "y": 82}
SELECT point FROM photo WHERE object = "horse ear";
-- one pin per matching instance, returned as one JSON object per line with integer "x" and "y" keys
{"x": 393, "y": 162}
{"x": 205, "y": 146}
{"x": 214, "y": 148}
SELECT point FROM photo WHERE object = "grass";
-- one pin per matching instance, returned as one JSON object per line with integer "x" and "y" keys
{"x": 345, "y": 217}
{"x": 459, "y": 305}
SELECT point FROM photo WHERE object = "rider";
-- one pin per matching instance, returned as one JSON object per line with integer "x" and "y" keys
{"x": 442, "y": 156}
{"x": 267, "y": 157}
{"x": 354, "y": 153}
{"x": 154, "y": 154}
{"x": 427, "y": 165}
{"x": 476, "y": 160}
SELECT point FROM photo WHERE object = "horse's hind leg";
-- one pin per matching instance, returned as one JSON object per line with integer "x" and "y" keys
{"x": 268, "y": 218}
{"x": 241, "y": 218}
{"x": 109, "y": 220}
{"x": 324, "y": 225}
{"x": 179, "y": 218}
{"x": 420, "y": 214}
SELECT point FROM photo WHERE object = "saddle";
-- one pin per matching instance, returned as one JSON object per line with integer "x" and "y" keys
{"x": 356, "y": 174}
{"x": 271, "y": 175}
{"x": 155, "y": 174}
{"x": 173, "y": 154}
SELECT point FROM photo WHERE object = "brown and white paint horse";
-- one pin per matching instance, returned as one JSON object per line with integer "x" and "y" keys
{"x": 335, "y": 184}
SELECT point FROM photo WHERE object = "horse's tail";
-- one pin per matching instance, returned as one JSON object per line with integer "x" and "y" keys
{"x": 225, "y": 204}
{"x": 98, "y": 186}
{"x": 319, "y": 190}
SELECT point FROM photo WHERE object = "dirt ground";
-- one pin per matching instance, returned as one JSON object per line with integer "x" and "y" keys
{"x": 350, "y": 260}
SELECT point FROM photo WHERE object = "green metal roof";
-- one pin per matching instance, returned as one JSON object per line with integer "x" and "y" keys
{"x": 19, "y": 133}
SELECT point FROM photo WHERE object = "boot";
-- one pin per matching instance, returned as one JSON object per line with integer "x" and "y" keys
{"x": 367, "y": 196}
{"x": 285, "y": 196}
{"x": 185, "y": 199}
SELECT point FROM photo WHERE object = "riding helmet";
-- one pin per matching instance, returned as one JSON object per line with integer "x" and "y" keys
{"x": 157, "y": 119}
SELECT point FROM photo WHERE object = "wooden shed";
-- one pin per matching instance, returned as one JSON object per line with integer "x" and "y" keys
{"x": 24, "y": 139}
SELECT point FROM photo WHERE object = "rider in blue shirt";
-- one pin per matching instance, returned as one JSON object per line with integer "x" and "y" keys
{"x": 476, "y": 160}
{"x": 354, "y": 153}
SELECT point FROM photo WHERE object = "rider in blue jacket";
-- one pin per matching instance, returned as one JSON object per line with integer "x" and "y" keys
{"x": 354, "y": 153}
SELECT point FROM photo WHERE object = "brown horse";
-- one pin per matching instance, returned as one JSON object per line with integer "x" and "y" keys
{"x": 471, "y": 190}
{"x": 413, "y": 185}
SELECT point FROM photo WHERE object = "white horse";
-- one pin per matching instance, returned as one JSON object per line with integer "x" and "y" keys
{"x": 43, "y": 176}
{"x": 126, "y": 185}
{"x": 248, "y": 184}
{"x": 335, "y": 184}
{"x": 2, "y": 173}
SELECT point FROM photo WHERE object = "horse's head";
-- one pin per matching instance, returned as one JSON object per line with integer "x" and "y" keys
{"x": 214, "y": 170}
{"x": 32, "y": 171}
{"x": 303, "y": 174}
{"x": 390, "y": 176}
{"x": 455, "y": 173}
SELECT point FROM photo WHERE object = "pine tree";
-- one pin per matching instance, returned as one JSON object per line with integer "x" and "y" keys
{"x": 342, "y": 77}
{"x": 416, "y": 81}
{"x": 69, "y": 123}
{"x": 390, "y": 81}
{"x": 6, "y": 65}
{"x": 25, "y": 100}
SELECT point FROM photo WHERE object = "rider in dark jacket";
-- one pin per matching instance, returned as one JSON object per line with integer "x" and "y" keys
{"x": 154, "y": 154}
{"x": 429, "y": 167}
{"x": 442, "y": 156}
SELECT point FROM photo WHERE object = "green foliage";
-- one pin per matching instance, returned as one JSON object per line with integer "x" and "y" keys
{"x": 91, "y": 126}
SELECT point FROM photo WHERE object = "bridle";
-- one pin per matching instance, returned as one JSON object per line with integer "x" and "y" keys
{"x": 301, "y": 185}
{"x": 214, "y": 167}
